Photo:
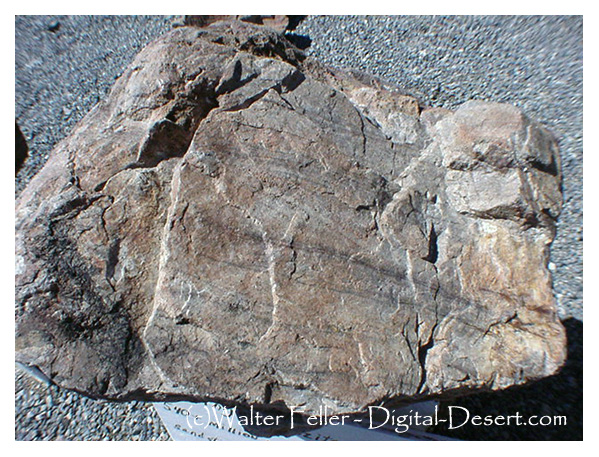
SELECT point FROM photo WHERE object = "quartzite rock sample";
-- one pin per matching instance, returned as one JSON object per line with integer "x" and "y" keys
{"x": 238, "y": 222}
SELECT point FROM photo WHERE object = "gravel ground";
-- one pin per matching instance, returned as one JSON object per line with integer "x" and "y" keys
{"x": 44, "y": 412}
{"x": 64, "y": 65}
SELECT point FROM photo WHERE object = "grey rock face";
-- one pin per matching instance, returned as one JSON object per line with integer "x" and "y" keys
{"x": 240, "y": 223}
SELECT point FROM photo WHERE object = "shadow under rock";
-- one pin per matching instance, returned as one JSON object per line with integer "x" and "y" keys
{"x": 295, "y": 20}
{"x": 558, "y": 395}
{"x": 300, "y": 41}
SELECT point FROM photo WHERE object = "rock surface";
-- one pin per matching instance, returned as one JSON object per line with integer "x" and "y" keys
{"x": 238, "y": 222}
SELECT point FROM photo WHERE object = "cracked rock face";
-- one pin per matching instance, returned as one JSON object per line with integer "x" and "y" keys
{"x": 238, "y": 222}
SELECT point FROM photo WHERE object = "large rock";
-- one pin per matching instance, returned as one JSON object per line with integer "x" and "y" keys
{"x": 237, "y": 222}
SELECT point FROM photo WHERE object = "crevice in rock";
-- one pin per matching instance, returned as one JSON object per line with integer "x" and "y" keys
{"x": 268, "y": 393}
{"x": 550, "y": 168}
{"x": 433, "y": 249}
{"x": 70, "y": 208}
{"x": 248, "y": 101}
{"x": 112, "y": 259}
{"x": 288, "y": 84}
{"x": 362, "y": 130}
{"x": 512, "y": 318}
{"x": 165, "y": 140}
{"x": 422, "y": 353}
